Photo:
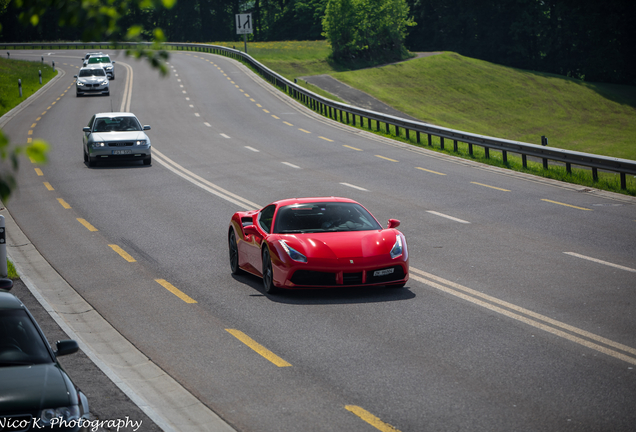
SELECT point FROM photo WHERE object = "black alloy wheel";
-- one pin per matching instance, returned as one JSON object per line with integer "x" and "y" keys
{"x": 268, "y": 273}
{"x": 234, "y": 260}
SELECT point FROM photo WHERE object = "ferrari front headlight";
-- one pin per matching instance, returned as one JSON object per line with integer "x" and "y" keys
{"x": 398, "y": 248}
{"x": 293, "y": 253}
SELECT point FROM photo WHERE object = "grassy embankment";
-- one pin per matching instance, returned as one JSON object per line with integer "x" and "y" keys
{"x": 10, "y": 72}
{"x": 13, "y": 70}
{"x": 475, "y": 96}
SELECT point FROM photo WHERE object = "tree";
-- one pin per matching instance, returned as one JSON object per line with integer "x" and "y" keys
{"x": 370, "y": 29}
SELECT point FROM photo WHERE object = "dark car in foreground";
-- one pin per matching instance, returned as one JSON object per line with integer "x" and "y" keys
{"x": 35, "y": 391}
{"x": 114, "y": 136}
{"x": 326, "y": 242}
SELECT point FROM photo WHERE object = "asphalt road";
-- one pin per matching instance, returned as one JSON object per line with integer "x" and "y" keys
{"x": 519, "y": 312}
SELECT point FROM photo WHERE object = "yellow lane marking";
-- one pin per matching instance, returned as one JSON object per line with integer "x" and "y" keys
{"x": 39, "y": 172}
{"x": 555, "y": 327}
{"x": 491, "y": 187}
{"x": 34, "y": 125}
{"x": 48, "y": 186}
{"x": 252, "y": 99}
{"x": 326, "y": 139}
{"x": 352, "y": 148}
{"x": 30, "y": 132}
{"x": 288, "y": 123}
{"x": 38, "y": 119}
{"x": 174, "y": 290}
{"x": 371, "y": 419}
{"x": 125, "y": 255}
{"x": 386, "y": 158}
{"x": 427, "y": 170}
{"x": 277, "y": 118}
{"x": 29, "y": 140}
{"x": 260, "y": 349}
{"x": 64, "y": 203}
{"x": 566, "y": 205}
{"x": 303, "y": 130}
{"x": 86, "y": 224}
{"x": 265, "y": 110}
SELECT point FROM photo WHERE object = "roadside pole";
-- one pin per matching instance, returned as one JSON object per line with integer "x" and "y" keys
{"x": 244, "y": 26}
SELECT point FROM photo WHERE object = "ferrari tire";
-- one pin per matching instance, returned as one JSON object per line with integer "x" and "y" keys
{"x": 234, "y": 259}
{"x": 268, "y": 273}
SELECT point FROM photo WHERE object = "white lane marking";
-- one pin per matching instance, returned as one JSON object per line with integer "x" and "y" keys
{"x": 225, "y": 136}
{"x": 207, "y": 124}
{"x": 354, "y": 186}
{"x": 526, "y": 316}
{"x": 197, "y": 115}
{"x": 253, "y": 149}
{"x": 201, "y": 182}
{"x": 574, "y": 254}
{"x": 448, "y": 217}
{"x": 290, "y": 165}
{"x": 125, "y": 103}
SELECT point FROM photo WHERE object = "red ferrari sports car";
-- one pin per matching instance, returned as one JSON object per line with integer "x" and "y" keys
{"x": 317, "y": 243}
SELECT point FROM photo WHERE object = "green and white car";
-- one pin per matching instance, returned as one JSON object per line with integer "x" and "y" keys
{"x": 104, "y": 61}
{"x": 114, "y": 136}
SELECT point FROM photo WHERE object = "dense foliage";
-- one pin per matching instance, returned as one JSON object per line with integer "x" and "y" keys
{"x": 588, "y": 39}
{"x": 371, "y": 29}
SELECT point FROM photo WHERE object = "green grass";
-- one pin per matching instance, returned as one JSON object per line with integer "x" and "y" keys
{"x": 13, "y": 70}
{"x": 12, "y": 273}
{"x": 475, "y": 96}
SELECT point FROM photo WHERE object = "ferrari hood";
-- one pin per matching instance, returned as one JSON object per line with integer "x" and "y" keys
{"x": 33, "y": 387}
{"x": 343, "y": 245}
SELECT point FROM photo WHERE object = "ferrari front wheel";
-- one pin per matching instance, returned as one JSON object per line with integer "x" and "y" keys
{"x": 234, "y": 259}
{"x": 268, "y": 273}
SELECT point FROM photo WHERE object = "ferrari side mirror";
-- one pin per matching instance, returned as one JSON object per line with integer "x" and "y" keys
{"x": 393, "y": 223}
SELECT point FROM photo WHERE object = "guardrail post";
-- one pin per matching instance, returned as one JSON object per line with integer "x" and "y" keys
{"x": 417, "y": 135}
{"x": 455, "y": 149}
{"x": 20, "y": 87}
{"x": 397, "y": 131}
{"x": 40, "y": 75}
{"x": 4, "y": 272}
{"x": 568, "y": 167}
{"x": 408, "y": 138}
{"x": 595, "y": 174}
{"x": 430, "y": 141}
{"x": 623, "y": 181}
{"x": 441, "y": 143}
{"x": 504, "y": 155}
{"x": 545, "y": 163}
{"x": 487, "y": 152}
{"x": 470, "y": 149}
{"x": 377, "y": 125}
{"x": 524, "y": 160}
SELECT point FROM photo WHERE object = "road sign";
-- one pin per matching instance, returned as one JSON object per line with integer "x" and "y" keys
{"x": 244, "y": 23}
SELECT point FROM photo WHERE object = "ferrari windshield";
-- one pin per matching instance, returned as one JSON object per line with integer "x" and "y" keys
{"x": 20, "y": 342}
{"x": 116, "y": 124}
{"x": 324, "y": 217}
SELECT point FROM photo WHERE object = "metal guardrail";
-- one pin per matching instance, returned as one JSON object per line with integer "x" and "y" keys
{"x": 334, "y": 109}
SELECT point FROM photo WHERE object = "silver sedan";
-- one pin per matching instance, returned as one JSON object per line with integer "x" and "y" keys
{"x": 116, "y": 136}
{"x": 92, "y": 80}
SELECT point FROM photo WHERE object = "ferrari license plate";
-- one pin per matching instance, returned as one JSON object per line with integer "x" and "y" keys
{"x": 383, "y": 272}
{"x": 122, "y": 152}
